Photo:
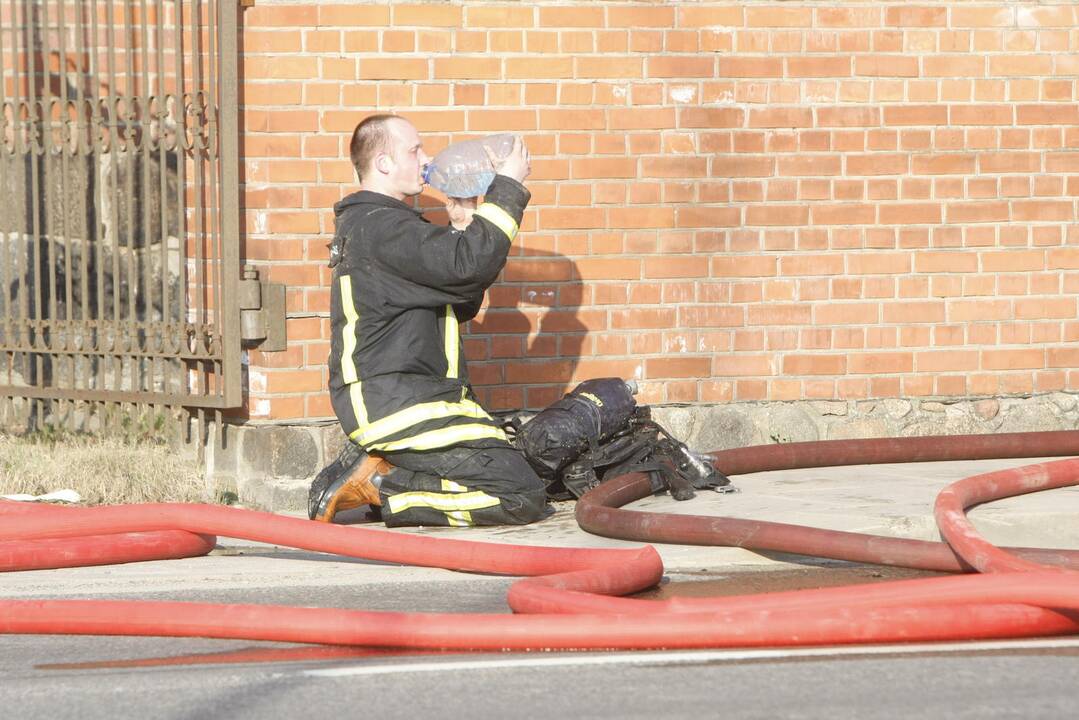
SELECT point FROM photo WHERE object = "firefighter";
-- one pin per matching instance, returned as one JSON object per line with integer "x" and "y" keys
{"x": 422, "y": 448}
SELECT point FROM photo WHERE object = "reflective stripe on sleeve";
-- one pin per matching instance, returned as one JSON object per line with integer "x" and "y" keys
{"x": 453, "y": 339}
{"x": 502, "y": 219}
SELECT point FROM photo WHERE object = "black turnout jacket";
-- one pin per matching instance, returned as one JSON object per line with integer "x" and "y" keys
{"x": 401, "y": 287}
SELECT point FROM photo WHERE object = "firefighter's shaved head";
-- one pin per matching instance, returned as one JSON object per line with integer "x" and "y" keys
{"x": 388, "y": 155}
{"x": 370, "y": 137}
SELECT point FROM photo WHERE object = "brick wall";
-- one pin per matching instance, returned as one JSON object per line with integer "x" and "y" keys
{"x": 731, "y": 202}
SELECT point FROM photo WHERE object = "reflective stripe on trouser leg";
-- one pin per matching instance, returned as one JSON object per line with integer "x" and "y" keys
{"x": 446, "y": 483}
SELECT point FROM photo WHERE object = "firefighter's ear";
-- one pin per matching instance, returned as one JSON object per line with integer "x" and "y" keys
{"x": 382, "y": 163}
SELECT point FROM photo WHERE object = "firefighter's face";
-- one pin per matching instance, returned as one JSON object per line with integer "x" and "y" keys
{"x": 406, "y": 158}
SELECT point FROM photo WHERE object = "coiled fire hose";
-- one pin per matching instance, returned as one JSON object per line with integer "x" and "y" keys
{"x": 569, "y": 597}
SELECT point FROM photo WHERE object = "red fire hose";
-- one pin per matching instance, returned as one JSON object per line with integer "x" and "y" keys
{"x": 571, "y": 586}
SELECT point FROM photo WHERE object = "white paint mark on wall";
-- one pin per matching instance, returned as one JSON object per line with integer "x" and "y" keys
{"x": 683, "y": 93}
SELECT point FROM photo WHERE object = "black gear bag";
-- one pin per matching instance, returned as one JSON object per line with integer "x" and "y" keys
{"x": 597, "y": 432}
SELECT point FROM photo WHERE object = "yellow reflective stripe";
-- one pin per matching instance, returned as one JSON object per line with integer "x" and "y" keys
{"x": 355, "y": 393}
{"x": 459, "y": 518}
{"x": 348, "y": 333}
{"x": 453, "y": 338}
{"x": 442, "y": 438}
{"x": 447, "y": 503}
{"x": 452, "y": 486}
{"x": 502, "y": 219}
{"x": 404, "y": 419}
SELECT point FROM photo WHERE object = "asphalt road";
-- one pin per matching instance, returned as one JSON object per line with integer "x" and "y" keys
{"x": 107, "y": 678}
{"x": 47, "y": 677}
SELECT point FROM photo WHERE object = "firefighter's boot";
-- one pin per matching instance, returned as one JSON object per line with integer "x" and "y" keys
{"x": 347, "y": 483}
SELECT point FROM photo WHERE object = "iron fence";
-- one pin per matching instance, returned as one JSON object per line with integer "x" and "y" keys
{"x": 119, "y": 249}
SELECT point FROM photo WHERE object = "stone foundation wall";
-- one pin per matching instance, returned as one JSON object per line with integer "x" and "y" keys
{"x": 270, "y": 466}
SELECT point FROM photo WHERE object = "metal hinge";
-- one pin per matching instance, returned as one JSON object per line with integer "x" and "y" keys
{"x": 262, "y": 312}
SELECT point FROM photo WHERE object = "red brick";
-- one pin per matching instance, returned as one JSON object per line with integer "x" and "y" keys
{"x": 1042, "y": 210}
{"x": 910, "y": 213}
{"x": 806, "y": 264}
{"x": 643, "y": 318}
{"x": 801, "y": 17}
{"x": 916, "y": 115}
{"x": 1020, "y": 66}
{"x": 982, "y": 16}
{"x": 844, "y": 18}
{"x": 1062, "y": 357}
{"x": 818, "y": 67}
{"x": 641, "y": 118}
{"x": 943, "y": 164}
{"x": 277, "y": 41}
{"x": 499, "y": 16}
{"x": 781, "y": 118}
{"x": 577, "y": 16}
{"x": 788, "y": 215}
{"x": 1047, "y": 114}
{"x": 353, "y": 15}
{"x": 845, "y": 313}
{"x": 978, "y": 310}
{"x": 877, "y": 263}
{"x": 704, "y": 216}
{"x": 695, "y": 367}
{"x": 886, "y": 66}
{"x": 696, "y": 117}
{"x": 953, "y": 66}
{"x": 814, "y": 364}
{"x": 848, "y": 117}
{"x": 1013, "y": 359}
{"x": 609, "y": 67}
{"x": 799, "y": 314}
{"x": 914, "y": 312}
{"x": 916, "y": 16}
{"x": 1050, "y": 16}
{"x": 935, "y": 361}
{"x": 640, "y": 217}
{"x": 742, "y": 365}
{"x": 744, "y": 266}
{"x": 1060, "y": 308}
{"x": 842, "y": 214}
{"x": 394, "y": 69}
{"x": 974, "y": 212}
{"x": 743, "y": 166}
{"x": 750, "y": 67}
{"x": 280, "y": 16}
{"x": 877, "y": 164}
{"x": 881, "y": 362}
{"x": 680, "y": 66}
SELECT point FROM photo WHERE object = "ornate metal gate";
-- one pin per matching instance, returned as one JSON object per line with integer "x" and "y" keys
{"x": 119, "y": 248}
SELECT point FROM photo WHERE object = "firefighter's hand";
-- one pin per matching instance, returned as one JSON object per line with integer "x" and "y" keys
{"x": 517, "y": 165}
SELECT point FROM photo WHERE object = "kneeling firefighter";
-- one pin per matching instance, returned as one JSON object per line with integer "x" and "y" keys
{"x": 422, "y": 448}
{"x": 595, "y": 432}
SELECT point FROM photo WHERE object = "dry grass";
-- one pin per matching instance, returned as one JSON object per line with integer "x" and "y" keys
{"x": 102, "y": 470}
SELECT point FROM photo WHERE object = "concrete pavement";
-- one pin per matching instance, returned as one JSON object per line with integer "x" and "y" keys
{"x": 893, "y": 500}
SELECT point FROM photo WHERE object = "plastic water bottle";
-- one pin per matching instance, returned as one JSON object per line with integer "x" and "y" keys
{"x": 463, "y": 169}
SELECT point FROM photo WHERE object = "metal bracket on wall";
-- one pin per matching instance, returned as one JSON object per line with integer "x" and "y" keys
{"x": 262, "y": 312}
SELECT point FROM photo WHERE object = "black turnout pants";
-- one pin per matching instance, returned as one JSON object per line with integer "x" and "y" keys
{"x": 462, "y": 486}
